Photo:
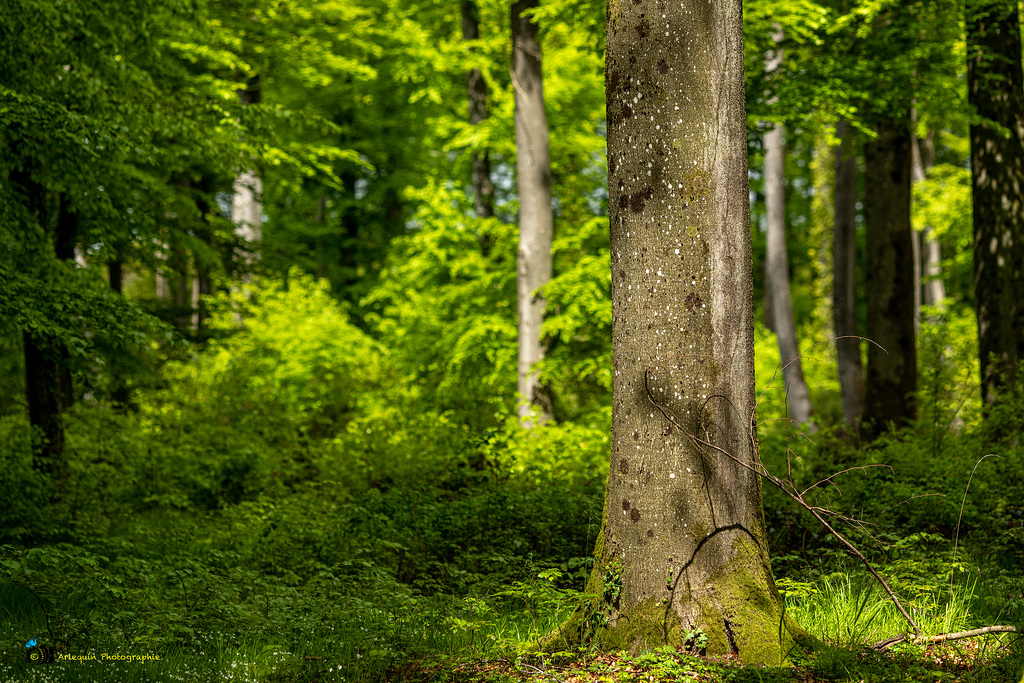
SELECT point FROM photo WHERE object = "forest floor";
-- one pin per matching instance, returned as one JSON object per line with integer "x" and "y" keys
{"x": 964, "y": 662}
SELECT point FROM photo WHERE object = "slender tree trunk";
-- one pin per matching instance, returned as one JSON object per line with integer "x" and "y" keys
{"x": 933, "y": 288}
{"x": 202, "y": 285}
{"x": 483, "y": 188}
{"x": 683, "y": 542}
{"x": 777, "y": 268}
{"x": 321, "y": 218}
{"x": 349, "y": 234}
{"x": 180, "y": 287}
{"x": 844, "y": 268}
{"x": 995, "y": 88}
{"x": 767, "y": 306}
{"x": 162, "y": 285}
{"x": 247, "y": 197}
{"x": 892, "y": 369}
{"x": 115, "y": 273}
{"x": 536, "y": 221}
{"x": 915, "y": 250}
{"x": 120, "y": 392}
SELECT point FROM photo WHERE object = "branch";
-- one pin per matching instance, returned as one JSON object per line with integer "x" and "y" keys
{"x": 778, "y": 483}
{"x": 943, "y": 637}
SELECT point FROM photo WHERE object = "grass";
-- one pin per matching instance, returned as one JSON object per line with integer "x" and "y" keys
{"x": 483, "y": 639}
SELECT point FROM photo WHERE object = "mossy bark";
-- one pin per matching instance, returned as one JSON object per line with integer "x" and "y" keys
{"x": 682, "y": 551}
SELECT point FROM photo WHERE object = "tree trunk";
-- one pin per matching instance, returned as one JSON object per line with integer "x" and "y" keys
{"x": 483, "y": 188}
{"x": 995, "y": 88}
{"x": 844, "y": 268}
{"x": 247, "y": 197}
{"x": 683, "y": 546}
{"x": 933, "y": 290}
{"x": 777, "y": 269}
{"x": 349, "y": 235}
{"x": 44, "y": 390}
{"x": 49, "y": 389}
{"x": 536, "y": 221}
{"x": 892, "y": 369}
{"x": 115, "y": 272}
{"x": 180, "y": 287}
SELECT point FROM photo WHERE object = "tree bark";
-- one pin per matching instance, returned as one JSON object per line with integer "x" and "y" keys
{"x": 995, "y": 88}
{"x": 933, "y": 289}
{"x": 536, "y": 220}
{"x": 115, "y": 272}
{"x": 777, "y": 269}
{"x": 483, "y": 188}
{"x": 49, "y": 389}
{"x": 247, "y": 197}
{"x": 892, "y": 369}
{"x": 683, "y": 543}
{"x": 844, "y": 264}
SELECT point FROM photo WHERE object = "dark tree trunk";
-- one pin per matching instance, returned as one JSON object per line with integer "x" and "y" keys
{"x": 49, "y": 389}
{"x": 483, "y": 188}
{"x": 844, "y": 300}
{"x": 115, "y": 272}
{"x": 349, "y": 233}
{"x": 996, "y": 90}
{"x": 120, "y": 394}
{"x": 44, "y": 389}
{"x": 683, "y": 543}
{"x": 536, "y": 220}
{"x": 180, "y": 287}
{"x": 892, "y": 369}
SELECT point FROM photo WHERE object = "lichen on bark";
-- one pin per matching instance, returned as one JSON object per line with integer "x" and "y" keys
{"x": 683, "y": 524}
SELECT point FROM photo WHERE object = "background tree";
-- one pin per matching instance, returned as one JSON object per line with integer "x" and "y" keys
{"x": 844, "y": 264}
{"x": 483, "y": 188}
{"x": 996, "y": 91}
{"x": 683, "y": 338}
{"x": 536, "y": 220}
{"x": 891, "y": 378}
{"x": 777, "y": 264}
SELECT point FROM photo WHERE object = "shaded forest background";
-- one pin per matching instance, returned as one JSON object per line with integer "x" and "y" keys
{"x": 258, "y": 327}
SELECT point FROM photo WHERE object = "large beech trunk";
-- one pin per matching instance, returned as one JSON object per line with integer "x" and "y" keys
{"x": 683, "y": 543}
{"x": 995, "y": 88}
{"x": 536, "y": 220}
{"x": 892, "y": 359}
{"x": 844, "y": 262}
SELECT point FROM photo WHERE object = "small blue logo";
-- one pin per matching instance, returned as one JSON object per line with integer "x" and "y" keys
{"x": 31, "y": 643}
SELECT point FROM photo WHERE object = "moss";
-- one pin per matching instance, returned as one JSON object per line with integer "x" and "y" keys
{"x": 696, "y": 184}
{"x": 614, "y": 12}
{"x": 734, "y": 613}
{"x": 645, "y": 626}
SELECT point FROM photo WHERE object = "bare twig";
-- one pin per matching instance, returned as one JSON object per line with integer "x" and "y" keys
{"x": 790, "y": 491}
{"x": 943, "y": 637}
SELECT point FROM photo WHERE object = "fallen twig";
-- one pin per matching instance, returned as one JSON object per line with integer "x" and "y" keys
{"x": 943, "y": 637}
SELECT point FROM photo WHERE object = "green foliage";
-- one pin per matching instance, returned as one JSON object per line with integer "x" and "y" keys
{"x": 333, "y": 484}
